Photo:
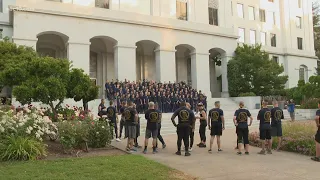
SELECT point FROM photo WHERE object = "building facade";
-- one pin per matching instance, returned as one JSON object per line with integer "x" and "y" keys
{"x": 165, "y": 40}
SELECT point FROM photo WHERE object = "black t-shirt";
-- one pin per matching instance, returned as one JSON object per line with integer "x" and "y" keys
{"x": 276, "y": 116}
{"x": 203, "y": 122}
{"x": 129, "y": 116}
{"x": 242, "y": 117}
{"x": 185, "y": 116}
{"x": 318, "y": 114}
{"x": 111, "y": 113}
{"x": 264, "y": 116}
{"x": 215, "y": 114}
{"x": 153, "y": 118}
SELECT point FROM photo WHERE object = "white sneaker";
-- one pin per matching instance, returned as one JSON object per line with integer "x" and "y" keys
{"x": 118, "y": 140}
{"x": 190, "y": 149}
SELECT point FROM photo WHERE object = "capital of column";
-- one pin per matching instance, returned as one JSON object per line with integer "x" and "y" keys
{"x": 199, "y": 53}
{"x": 124, "y": 46}
{"x": 78, "y": 43}
{"x": 166, "y": 50}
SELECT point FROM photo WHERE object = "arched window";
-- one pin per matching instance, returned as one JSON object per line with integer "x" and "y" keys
{"x": 303, "y": 73}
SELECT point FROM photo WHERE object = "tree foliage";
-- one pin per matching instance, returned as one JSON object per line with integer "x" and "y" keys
{"x": 42, "y": 79}
{"x": 316, "y": 31}
{"x": 251, "y": 71}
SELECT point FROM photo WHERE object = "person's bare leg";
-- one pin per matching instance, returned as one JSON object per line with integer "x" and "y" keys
{"x": 239, "y": 147}
{"x": 246, "y": 147}
{"x": 279, "y": 143}
{"x": 211, "y": 142}
{"x": 219, "y": 142}
{"x": 154, "y": 142}
{"x": 317, "y": 149}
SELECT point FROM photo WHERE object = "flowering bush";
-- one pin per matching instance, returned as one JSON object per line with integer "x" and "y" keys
{"x": 26, "y": 123}
{"x": 69, "y": 113}
{"x": 99, "y": 134}
{"x": 297, "y": 137}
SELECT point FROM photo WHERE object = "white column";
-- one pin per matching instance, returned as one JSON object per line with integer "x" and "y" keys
{"x": 224, "y": 76}
{"x": 79, "y": 55}
{"x": 26, "y": 42}
{"x": 125, "y": 62}
{"x": 104, "y": 72}
{"x": 165, "y": 65}
{"x": 200, "y": 74}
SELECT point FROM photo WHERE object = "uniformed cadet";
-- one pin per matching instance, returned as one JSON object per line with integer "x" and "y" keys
{"x": 264, "y": 116}
{"x": 131, "y": 118}
{"x": 112, "y": 116}
{"x": 240, "y": 120}
{"x": 186, "y": 119}
{"x": 216, "y": 125}
{"x": 276, "y": 126}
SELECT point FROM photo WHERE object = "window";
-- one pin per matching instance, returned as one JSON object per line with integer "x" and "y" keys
{"x": 262, "y": 14}
{"x": 303, "y": 73}
{"x": 213, "y": 16}
{"x": 271, "y": 1}
{"x": 299, "y": 43}
{"x": 299, "y": 4}
{"x": 298, "y": 22}
{"x": 1, "y": 30}
{"x": 263, "y": 37}
{"x": 252, "y": 37}
{"x": 241, "y": 35}
{"x": 1, "y": 6}
{"x": 273, "y": 40}
{"x": 231, "y": 8}
{"x": 240, "y": 10}
{"x": 182, "y": 10}
{"x": 272, "y": 17}
{"x": 251, "y": 13}
{"x": 102, "y": 4}
{"x": 275, "y": 59}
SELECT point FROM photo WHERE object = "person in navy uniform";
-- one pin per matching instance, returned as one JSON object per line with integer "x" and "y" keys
{"x": 186, "y": 119}
{"x": 240, "y": 120}
{"x": 264, "y": 116}
{"x": 276, "y": 125}
{"x": 216, "y": 125}
{"x": 112, "y": 117}
{"x": 317, "y": 136}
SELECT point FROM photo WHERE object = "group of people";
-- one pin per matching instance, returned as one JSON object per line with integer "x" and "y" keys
{"x": 167, "y": 96}
{"x": 270, "y": 126}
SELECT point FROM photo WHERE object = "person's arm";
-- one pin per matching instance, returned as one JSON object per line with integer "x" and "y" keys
{"x": 258, "y": 116}
{"x": 209, "y": 120}
{"x": 160, "y": 117}
{"x": 235, "y": 118}
{"x": 251, "y": 119}
{"x": 174, "y": 115}
{"x": 222, "y": 119}
{"x": 204, "y": 115}
{"x": 317, "y": 118}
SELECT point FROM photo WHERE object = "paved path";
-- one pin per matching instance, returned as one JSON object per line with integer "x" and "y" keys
{"x": 227, "y": 165}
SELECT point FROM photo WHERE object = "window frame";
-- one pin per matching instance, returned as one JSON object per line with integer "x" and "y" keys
{"x": 255, "y": 36}
{"x": 179, "y": 3}
{"x": 275, "y": 59}
{"x": 273, "y": 43}
{"x": 244, "y": 35}
{"x": 300, "y": 43}
{"x": 242, "y": 10}
{"x": 215, "y": 21}
{"x": 253, "y": 13}
{"x": 265, "y": 38}
{"x": 262, "y": 18}
{"x": 299, "y": 20}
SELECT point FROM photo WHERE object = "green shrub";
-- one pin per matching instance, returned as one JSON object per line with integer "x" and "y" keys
{"x": 21, "y": 148}
{"x": 247, "y": 94}
{"x": 72, "y": 134}
{"x": 310, "y": 104}
{"x": 99, "y": 134}
{"x": 297, "y": 137}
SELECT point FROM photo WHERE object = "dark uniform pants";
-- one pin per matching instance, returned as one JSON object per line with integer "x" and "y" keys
{"x": 183, "y": 134}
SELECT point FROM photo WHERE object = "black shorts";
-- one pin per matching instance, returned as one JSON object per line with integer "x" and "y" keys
{"x": 265, "y": 134}
{"x": 216, "y": 130}
{"x": 317, "y": 136}
{"x": 243, "y": 135}
{"x": 151, "y": 133}
{"x": 276, "y": 131}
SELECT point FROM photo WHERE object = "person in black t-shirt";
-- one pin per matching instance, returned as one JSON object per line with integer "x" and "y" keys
{"x": 216, "y": 124}
{"x": 186, "y": 119}
{"x": 264, "y": 116}
{"x": 122, "y": 119}
{"x": 131, "y": 118}
{"x": 153, "y": 117}
{"x": 317, "y": 136}
{"x": 276, "y": 126}
{"x": 203, "y": 124}
{"x": 240, "y": 120}
{"x": 112, "y": 116}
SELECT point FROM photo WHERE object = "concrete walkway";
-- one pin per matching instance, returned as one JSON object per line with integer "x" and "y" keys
{"x": 227, "y": 165}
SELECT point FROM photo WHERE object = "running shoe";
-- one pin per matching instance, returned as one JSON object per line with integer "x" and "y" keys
{"x": 178, "y": 153}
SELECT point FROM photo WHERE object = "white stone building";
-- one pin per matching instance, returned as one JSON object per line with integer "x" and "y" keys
{"x": 164, "y": 40}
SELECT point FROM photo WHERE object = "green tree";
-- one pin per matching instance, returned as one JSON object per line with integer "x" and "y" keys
{"x": 251, "y": 70}
{"x": 316, "y": 31}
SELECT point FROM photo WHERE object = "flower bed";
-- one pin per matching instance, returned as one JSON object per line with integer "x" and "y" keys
{"x": 297, "y": 137}
{"x": 23, "y": 131}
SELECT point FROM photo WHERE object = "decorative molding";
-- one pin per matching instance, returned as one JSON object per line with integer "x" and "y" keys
{"x": 51, "y": 12}
{"x": 196, "y": 53}
{"x": 23, "y": 39}
{"x": 213, "y": 4}
{"x": 79, "y": 43}
{"x": 166, "y": 50}
{"x": 125, "y": 46}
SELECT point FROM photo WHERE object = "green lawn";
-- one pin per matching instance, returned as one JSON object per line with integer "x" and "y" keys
{"x": 95, "y": 168}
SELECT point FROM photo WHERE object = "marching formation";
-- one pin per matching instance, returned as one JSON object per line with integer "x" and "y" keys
{"x": 270, "y": 126}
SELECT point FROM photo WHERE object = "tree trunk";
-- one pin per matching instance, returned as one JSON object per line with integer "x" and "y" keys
{"x": 85, "y": 106}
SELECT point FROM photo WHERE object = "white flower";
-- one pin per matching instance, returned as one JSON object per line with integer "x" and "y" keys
{"x": 28, "y": 131}
{"x": 1, "y": 129}
{"x": 97, "y": 132}
{"x": 102, "y": 127}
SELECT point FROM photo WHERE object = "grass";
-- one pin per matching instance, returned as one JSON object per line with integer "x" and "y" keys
{"x": 93, "y": 168}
